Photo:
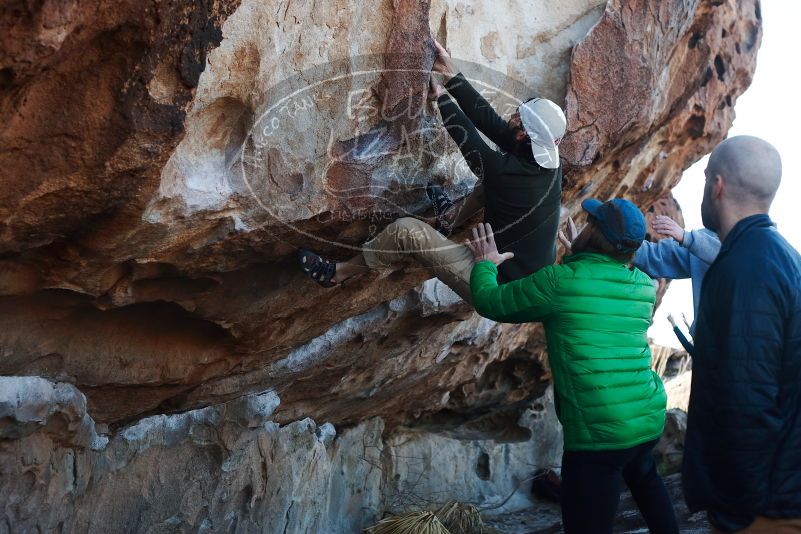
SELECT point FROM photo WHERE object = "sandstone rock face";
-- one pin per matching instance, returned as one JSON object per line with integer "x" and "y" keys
{"x": 161, "y": 162}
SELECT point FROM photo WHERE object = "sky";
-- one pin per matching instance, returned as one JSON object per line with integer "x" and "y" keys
{"x": 769, "y": 109}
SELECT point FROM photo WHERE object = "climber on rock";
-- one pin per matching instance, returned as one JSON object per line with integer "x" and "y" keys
{"x": 522, "y": 185}
{"x": 596, "y": 309}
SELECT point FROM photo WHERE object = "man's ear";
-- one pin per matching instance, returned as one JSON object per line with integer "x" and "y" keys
{"x": 718, "y": 186}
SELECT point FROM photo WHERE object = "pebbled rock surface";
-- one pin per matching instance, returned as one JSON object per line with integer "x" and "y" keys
{"x": 152, "y": 205}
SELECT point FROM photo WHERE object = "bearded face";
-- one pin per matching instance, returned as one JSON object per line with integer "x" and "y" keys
{"x": 514, "y": 139}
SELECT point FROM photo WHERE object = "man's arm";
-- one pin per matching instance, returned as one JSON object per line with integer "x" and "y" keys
{"x": 702, "y": 244}
{"x": 479, "y": 156}
{"x": 465, "y": 208}
{"x": 663, "y": 259}
{"x": 522, "y": 301}
{"x": 680, "y": 335}
{"x": 477, "y": 109}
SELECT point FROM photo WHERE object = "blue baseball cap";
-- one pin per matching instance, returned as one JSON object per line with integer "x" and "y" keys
{"x": 620, "y": 221}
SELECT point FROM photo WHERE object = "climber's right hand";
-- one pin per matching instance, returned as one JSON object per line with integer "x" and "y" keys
{"x": 443, "y": 64}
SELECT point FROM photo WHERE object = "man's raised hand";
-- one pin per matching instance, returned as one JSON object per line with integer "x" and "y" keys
{"x": 671, "y": 320}
{"x": 483, "y": 246}
{"x": 568, "y": 237}
{"x": 666, "y": 226}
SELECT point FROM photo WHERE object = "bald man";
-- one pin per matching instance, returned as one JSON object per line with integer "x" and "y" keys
{"x": 742, "y": 460}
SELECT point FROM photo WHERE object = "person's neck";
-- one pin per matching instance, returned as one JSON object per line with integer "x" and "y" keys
{"x": 730, "y": 218}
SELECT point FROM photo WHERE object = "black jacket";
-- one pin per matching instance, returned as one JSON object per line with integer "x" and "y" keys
{"x": 743, "y": 449}
{"x": 521, "y": 199}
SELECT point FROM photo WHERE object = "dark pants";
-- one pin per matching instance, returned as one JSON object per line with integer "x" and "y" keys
{"x": 591, "y": 486}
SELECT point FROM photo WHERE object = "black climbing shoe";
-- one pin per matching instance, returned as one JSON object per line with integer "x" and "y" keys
{"x": 441, "y": 203}
{"x": 318, "y": 268}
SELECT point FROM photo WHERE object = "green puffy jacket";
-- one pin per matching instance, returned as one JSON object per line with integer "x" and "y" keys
{"x": 596, "y": 311}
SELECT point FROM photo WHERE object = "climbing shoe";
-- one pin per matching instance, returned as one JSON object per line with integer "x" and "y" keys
{"x": 441, "y": 204}
{"x": 318, "y": 268}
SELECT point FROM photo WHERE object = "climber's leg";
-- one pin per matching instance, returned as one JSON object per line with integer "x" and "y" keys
{"x": 352, "y": 267}
{"x": 439, "y": 199}
{"x": 410, "y": 239}
{"x": 452, "y": 214}
{"x": 464, "y": 208}
{"x": 329, "y": 273}
{"x": 319, "y": 269}
{"x": 405, "y": 240}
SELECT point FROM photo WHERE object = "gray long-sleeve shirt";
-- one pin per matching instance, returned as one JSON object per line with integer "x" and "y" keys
{"x": 667, "y": 258}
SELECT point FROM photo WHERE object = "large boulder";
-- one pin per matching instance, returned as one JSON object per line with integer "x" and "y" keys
{"x": 150, "y": 210}
{"x": 161, "y": 162}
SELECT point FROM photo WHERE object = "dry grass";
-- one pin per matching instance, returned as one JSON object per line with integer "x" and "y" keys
{"x": 411, "y": 523}
{"x": 461, "y": 518}
{"x": 452, "y": 518}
